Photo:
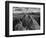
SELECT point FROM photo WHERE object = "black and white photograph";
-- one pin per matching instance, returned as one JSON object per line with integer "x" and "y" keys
{"x": 24, "y": 18}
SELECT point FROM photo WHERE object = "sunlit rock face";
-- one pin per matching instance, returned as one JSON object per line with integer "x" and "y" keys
{"x": 27, "y": 22}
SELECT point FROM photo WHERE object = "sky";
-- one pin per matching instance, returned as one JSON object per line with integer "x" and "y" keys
{"x": 25, "y": 10}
